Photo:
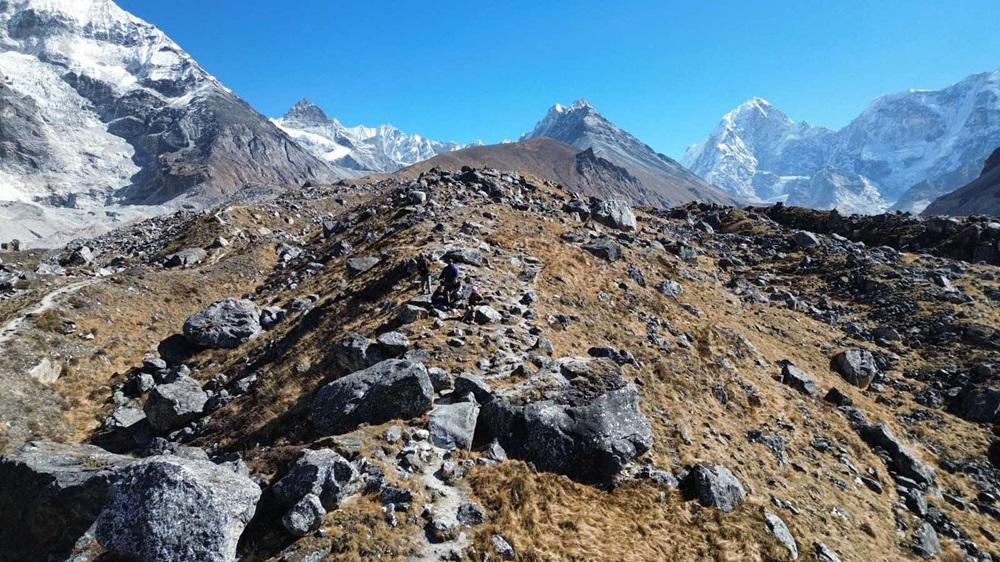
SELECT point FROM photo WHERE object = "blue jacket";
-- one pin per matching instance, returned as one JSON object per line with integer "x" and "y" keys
{"x": 450, "y": 273}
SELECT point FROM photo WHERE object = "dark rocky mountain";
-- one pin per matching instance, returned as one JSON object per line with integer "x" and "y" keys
{"x": 583, "y": 171}
{"x": 979, "y": 197}
{"x": 665, "y": 182}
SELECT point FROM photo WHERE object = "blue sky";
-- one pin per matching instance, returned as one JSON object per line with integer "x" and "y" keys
{"x": 665, "y": 71}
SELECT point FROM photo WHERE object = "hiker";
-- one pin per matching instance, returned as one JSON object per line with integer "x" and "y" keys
{"x": 475, "y": 298}
{"x": 450, "y": 282}
{"x": 424, "y": 270}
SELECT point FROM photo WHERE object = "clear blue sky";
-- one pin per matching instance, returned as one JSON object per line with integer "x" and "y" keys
{"x": 665, "y": 71}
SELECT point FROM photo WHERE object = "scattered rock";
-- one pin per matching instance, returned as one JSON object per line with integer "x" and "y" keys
{"x": 798, "y": 379}
{"x": 777, "y": 529}
{"x": 452, "y": 426}
{"x": 856, "y": 366}
{"x": 613, "y": 214}
{"x": 305, "y": 516}
{"x": 357, "y": 266}
{"x": 605, "y": 249}
{"x": 322, "y": 473}
{"x": 186, "y": 258}
{"x": 713, "y": 486}
{"x": 925, "y": 541}
{"x": 172, "y": 405}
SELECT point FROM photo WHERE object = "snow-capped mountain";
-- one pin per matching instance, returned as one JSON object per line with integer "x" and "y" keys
{"x": 929, "y": 141}
{"x": 666, "y": 181}
{"x": 100, "y": 107}
{"x": 362, "y": 149}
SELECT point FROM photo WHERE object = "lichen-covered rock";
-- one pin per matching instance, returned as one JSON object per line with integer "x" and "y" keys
{"x": 856, "y": 366}
{"x": 172, "y": 405}
{"x": 613, "y": 214}
{"x": 305, "y": 516}
{"x": 323, "y": 473}
{"x": 227, "y": 323}
{"x": 452, "y": 426}
{"x": 714, "y": 486}
{"x": 798, "y": 379}
{"x": 169, "y": 509}
{"x": 577, "y": 417}
{"x": 392, "y": 389}
{"x": 50, "y": 494}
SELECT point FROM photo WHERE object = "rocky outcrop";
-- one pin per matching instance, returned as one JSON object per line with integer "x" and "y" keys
{"x": 614, "y": 214}
{"x": 856, "y": 366}
{"x": 227, "y": 323}
{"x": 322, "y": 473}
{"x": 172, "y": 405}
{"x": 166, "y": 508}
{"x": 392, "y": 389}
{"x": 579, "y": 417}
{"x": 51, "y": 493}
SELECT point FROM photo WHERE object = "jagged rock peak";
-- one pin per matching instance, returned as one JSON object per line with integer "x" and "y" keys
{"x": 306, "y": 113}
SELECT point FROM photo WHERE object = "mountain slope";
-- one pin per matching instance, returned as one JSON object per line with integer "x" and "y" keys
{"x": 362, "y": 149}
{"x": 578, "y": 170}
{"x": 105, "y": 109}
{"x": 665, "y": 180}
{"x": 920, "y": 140}
{"x": 979, "y": 197}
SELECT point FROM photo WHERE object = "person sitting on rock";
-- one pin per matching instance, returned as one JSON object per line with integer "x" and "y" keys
{"x": 474, "y": 299}
{"x": 451, "y": 282}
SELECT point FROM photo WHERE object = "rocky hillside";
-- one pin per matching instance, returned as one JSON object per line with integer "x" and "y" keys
{"x": 979, "y": 197}
{"x": 700, "y": 383}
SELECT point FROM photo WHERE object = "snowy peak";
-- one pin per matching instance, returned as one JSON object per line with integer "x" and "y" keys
{"x": 919, "y": 139}
{"x": 361, "y": 149}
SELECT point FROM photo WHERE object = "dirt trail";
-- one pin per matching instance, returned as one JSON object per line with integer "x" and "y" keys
{"x": 47, "y": 302}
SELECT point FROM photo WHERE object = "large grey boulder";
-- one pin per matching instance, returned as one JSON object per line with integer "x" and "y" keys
{"x": 392, "y": 389}
{"x": 322, "y": 473}
{"x": 172, "y": 405}
{"x": 577, "y": 416}
{"x": 856, "y": 366}
{"x": 452, "y": 426}
{"x": 925, "y": 541}
{"x": 227, "y": 323}
{"x": 170, "y": 509}
{"x": 713, "y": 486}
{"x": 901, "y": 460}
{"x": 486, "y": 315}
{"x": 613, "y": 214}
{"x": 50, "y": 494}
{"x": 351, "y": 352}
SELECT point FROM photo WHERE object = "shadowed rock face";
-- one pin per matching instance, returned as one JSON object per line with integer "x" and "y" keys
{"x": 51, "y": 493}
{"x": 979, "y": 197}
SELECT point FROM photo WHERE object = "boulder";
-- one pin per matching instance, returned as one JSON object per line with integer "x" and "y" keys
{"x": 901, "y": 460}
{"x": 408, "y": 314}
{"x": 824, "y": 554}
{"x": 671, "y": 289}
{"x": 577, "y": 205}
{"x": 486, "y": 315}
{"x": 392, "y": 389}
{"x": 357, "y": 266}
{"x": 351, "y": 352}
{"x": 798, "y": 379}
{"x": 777, "y": 529}
{"x": 167, "y": 508}
{"x": 322, "y": 473}
{"x": 272, "y": 316}
{"x": 172, "y": 405}
{"x": 577, "y": 416}
{"x": 713, "y": 486}
{"x": 393, "y": 344}
{"x": 805, "y": 239}
{"x": 227, "y": 323}
{"x": 606, "y": 249}
{"x": 51, "y": 494}
{"x": 981, "y": 405}
{"x": 305, "y": 516}
{"x": 186, "y": 257}
{"x": 467, "y": 256}
{"x": 452, "y": 426}
{"x": 856, "y": 366}
{"x": 613, "y": 214}
{"x": 925, "y": 541}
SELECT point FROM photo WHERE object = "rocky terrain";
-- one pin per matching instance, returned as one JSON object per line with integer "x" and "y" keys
{"x": 701, "y": 383}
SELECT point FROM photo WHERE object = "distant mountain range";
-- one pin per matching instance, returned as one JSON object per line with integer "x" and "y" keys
{"x": 902, "y": 152}
{"x": 105, "y": 119}
{"x": 359, "y": 149}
